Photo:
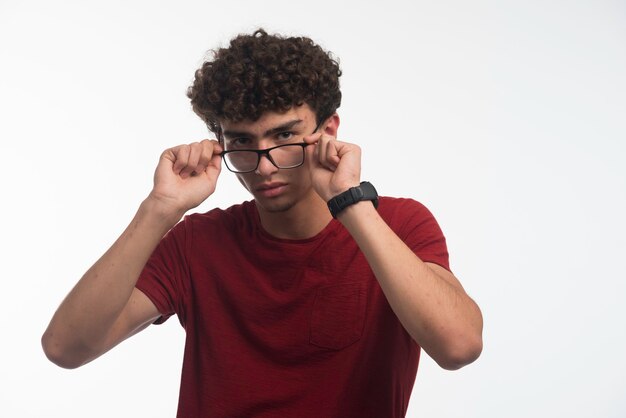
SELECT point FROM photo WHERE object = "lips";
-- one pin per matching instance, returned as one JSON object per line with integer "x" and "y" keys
{"x": 271, "y": 189}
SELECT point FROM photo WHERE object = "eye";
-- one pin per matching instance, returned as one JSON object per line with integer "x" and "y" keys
{"x": 285, "y": 136}
{"x": 239, "y": 142}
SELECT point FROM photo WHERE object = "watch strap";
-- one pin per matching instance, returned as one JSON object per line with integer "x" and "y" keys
{"x": 364, "y": 191}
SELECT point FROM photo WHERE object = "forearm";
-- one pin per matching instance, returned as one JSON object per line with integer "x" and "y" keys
{"x": 437, "y": 314}
{"x": 82, "y": 321}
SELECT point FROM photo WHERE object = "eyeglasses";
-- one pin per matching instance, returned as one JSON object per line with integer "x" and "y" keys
{"x": 282, "y": 156}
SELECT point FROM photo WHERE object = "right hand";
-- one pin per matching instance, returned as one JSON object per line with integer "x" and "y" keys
{"x": 186, "y": 175}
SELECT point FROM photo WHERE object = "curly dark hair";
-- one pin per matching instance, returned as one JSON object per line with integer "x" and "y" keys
{"x": 259, "y": 73}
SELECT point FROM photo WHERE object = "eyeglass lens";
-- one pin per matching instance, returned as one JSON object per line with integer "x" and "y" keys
{"x": 283, "y": 156}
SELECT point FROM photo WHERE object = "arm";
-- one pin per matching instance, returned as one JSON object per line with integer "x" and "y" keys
{"x": 427, "y": 299}
{"x": 104, "y": 307}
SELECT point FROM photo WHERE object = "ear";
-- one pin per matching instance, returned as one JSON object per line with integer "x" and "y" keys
{"x": 331, "y": 125}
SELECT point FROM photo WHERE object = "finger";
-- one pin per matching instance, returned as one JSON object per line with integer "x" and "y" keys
{"x": 328, "y": 153}
{"x": 181, "y": 154}
{"x": 192, "y": 160}
{"x": 214, "y": 167}
{"x": 210, "y": 147}
{"x": 211, "y": 157}
{"x": 321, "y": 149}
{"x": 206, "y": 152}
{"x": 312, "y": 139}
{"x": 332, "y": 154}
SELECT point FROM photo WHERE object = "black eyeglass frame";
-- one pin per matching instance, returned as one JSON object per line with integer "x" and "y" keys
{"x": 266, "y": 152}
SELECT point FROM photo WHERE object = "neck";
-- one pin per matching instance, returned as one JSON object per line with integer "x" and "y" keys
{"x": 305, "y": 219}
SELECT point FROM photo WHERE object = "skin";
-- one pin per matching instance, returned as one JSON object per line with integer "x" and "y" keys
{"x": 104, "y": 308}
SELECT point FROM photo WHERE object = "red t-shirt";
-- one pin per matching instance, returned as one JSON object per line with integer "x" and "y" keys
{"x": 286, "y": 328}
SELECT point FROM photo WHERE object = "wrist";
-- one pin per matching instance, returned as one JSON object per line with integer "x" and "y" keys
{"x": 161, "y": 210}
{"x": 356, "y": 211}
{"x": 329, "y": 194}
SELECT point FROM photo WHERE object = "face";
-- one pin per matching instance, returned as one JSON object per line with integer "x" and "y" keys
{"x": 274, "y": 189}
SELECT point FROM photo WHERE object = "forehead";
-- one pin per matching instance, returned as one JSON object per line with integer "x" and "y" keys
{"x": 269, "y": 120}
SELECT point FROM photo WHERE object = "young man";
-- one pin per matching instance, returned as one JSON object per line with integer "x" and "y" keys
{"x": 314, "y": 298}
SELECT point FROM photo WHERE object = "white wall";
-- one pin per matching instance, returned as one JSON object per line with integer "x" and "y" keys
{"x": 506, "y": 118}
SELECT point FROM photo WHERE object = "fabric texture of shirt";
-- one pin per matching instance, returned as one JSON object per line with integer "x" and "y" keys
{"x": 286, "y": 328}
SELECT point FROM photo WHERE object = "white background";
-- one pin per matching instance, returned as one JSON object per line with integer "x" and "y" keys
{"x": 507, "y": 119}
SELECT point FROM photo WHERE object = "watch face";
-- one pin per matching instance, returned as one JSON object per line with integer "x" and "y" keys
{"x": 369, "y": 192}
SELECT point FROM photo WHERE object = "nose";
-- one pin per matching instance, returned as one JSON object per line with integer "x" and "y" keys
{"x": 265, "y": 167}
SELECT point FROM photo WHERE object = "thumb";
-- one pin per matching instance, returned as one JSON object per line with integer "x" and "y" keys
{"x": 313, "y": 138}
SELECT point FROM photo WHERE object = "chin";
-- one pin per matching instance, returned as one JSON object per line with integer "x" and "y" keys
{"x": 274, "y": 205}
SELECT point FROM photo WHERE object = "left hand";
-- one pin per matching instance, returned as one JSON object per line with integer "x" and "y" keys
{"x": 335, "y": 166}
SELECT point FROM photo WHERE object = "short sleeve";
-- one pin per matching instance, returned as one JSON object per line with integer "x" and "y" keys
{"x": 418, "y": 228}
{"x": 164, "y": 277}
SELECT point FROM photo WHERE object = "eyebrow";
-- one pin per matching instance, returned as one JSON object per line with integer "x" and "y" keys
{"x": 280, "y": 128}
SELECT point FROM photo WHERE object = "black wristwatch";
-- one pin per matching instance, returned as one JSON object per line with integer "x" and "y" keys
{"x": 364, "y": 191}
